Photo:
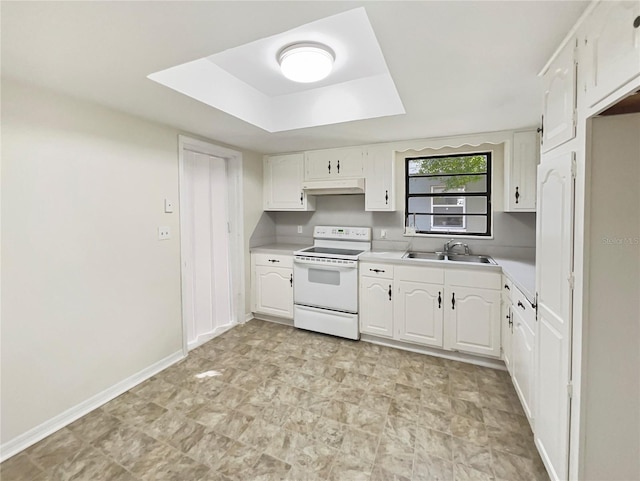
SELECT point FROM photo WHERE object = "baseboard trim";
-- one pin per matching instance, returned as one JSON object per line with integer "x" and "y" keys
{"x": 452, "y": 355}
{"x": 23, "y": 441}
{"x": 277, "y": 320}
{"x": 207, "y": 336}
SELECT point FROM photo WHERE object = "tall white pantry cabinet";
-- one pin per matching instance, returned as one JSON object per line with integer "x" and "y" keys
{"x": 577, "y": 436}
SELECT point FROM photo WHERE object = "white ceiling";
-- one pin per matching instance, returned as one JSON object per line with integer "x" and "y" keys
{"x": 246, "y": 81}
{"x": 459, "y": 67}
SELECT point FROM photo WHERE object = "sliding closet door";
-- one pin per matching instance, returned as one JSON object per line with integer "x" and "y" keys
{"x": 206, "y": 278}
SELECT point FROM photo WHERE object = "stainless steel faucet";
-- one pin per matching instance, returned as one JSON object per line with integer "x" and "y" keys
{"x": 448, "y": 246}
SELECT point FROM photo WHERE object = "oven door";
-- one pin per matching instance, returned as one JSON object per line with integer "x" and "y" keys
{"x": 326, "y": 284}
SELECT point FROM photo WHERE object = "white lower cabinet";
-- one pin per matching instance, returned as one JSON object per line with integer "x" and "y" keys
{"x": 523, "y": 343}
{"x": 415, "y": 304}
{"x": 473, "y": 321}
{"x": 506, "y": 323}
{"x": 418, "y": 312}
{"x": 376, "y": 306}
{"x": 272, "y": 287}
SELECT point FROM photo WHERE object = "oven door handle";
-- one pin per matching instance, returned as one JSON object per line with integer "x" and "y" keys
{"x": 327, "y": 267}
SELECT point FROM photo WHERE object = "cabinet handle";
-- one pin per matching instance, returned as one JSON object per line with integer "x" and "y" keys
{"x": 439, "y": 300}
{"x": 510, "y": 317}
{"x": 540, "y": 130}
{"x": 301, "y": 198}
{"x": 517, "y": 195}
{"x": 329, "y": 166}
{"x": 376, "y": 270}
{"x": 389, "y": 291}
{"x": 453, "y": 300}
{"x": 506, "y": 286}
{"x": 636, "y": 22}
{"x": 386, "y": 197}
{"x": 520, "y": 304}
{"x": 338, "y": 166}
{"x": 291, "y": 280}
{"x": 274, "y": 260}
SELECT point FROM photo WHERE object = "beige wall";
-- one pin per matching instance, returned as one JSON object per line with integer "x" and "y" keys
{"x": 611, "y": 390}
{"x": 90, "y": 296}
{"x": 252, "y": 187}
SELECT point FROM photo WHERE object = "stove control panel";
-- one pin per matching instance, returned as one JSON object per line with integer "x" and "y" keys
{"x": 343, "y": 233}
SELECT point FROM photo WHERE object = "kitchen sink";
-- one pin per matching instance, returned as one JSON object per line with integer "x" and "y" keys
{"x": 430, "y": 256}
{"x": 441, "y": 256}
{"x": 471, "y": 258}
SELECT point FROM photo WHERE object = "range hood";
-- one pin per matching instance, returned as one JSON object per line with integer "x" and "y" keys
{"x": 328, "y": 187}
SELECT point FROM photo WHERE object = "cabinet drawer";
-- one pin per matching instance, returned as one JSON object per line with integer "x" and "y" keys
{"x": 474, "y": 278}
{"x": 381, "y": 271}
{"x": 523, "y": 306}
{"x": 274, "y": 260}
{"x": 431, "y": 275}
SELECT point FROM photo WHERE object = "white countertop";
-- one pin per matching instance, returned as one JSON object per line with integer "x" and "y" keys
{"x": 522, "y": 272}
{"x": 278, "y": 248}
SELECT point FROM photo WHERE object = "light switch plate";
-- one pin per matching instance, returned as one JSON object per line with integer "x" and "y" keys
{"x": 168, "y": 206}
{"x": 299, "y": 229}
{"x": 164, "y": 233}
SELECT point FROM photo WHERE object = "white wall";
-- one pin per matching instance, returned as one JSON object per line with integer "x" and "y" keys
{"x": 611, "y": 403}
{"x": 90, "y": 296}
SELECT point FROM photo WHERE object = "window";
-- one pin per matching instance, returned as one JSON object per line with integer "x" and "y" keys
{"x": 449, "y": 194}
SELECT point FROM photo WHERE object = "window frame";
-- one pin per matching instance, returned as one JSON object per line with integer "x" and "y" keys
{"x": 487, "y": 193}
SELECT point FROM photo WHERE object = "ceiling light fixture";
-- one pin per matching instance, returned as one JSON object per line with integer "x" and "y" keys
{"x": 306, "y": 62}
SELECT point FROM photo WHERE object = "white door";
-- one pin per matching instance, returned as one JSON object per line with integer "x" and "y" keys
{"x": 376, "y": 306}
{"x": 418, "y": 312}
{"x": 521, "y": 173}
{"x": 473, "y": 320}
{"x": 274, "y": 291}
{"x": 205, "y": 238}
{"x": 554, "y": 269}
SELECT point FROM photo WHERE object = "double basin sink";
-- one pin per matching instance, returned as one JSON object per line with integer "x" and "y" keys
{"x": 441, "y": 256}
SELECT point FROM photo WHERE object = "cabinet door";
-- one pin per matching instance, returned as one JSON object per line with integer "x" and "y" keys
{"x": 379, "y": 174}
{"x": 376, "y": 306}
{"x": 273, "y": 291}
{"x": 559, "y": 101}
{"x": 473, "y": 320}
{"x": 283, "y": 175}
{"x": 612, "y": 46}
{"x": 523, "y": 343}
{"x": 334, "y": 164}
{"x": 506, "y": 333}
{"x": 418, "y": 312}
{"x": 520, "y": 173}
{"x": 554, "y": 272}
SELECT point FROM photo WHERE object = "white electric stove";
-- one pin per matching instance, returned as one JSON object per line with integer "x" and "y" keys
{"x": 325, "y": 289}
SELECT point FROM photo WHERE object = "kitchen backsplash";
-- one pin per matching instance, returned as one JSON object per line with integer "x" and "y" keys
{"x": 514, "y": 234}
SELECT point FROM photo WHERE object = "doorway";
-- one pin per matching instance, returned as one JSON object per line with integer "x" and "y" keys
{"x": 211, "y": 240}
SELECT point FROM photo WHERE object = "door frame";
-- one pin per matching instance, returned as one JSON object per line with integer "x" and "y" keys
{"x": 235, "y": 218}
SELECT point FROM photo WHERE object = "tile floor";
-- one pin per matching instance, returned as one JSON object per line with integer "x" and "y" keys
{"x": 269, "y": 402}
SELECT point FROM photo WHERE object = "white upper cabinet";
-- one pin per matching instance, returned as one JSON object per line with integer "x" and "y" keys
{"x": 520, "y": 173}
{"x": 612, "y": 48}
{"x": 334, "y": 164}
{"x": 282, "y": 183}
{"x": 379, "y": 174}
{"x": 559, "y": 101}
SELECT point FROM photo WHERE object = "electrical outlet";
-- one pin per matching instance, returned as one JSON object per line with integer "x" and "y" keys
{"x": 168, "y": 206}
{"x": 164, "y": 233}
{"x": 299, "y": 229}
{"x": 383, "y": 233}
